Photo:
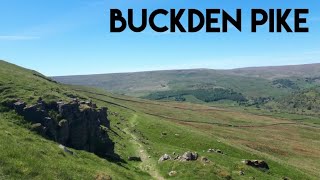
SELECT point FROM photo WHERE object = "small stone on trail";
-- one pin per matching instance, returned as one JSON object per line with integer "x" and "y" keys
{"x": 172, "y": 173}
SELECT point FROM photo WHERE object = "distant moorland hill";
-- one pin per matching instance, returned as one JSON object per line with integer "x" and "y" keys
{"x": 271, "y": 87}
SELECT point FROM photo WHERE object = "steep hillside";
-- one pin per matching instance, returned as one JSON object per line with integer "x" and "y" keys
{"x": 152, "y": 139}
{"x": 28, "y": 129}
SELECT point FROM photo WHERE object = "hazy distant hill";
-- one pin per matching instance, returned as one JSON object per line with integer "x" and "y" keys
{"x": 271, "y": 72}
{"x": 252, "y": 82}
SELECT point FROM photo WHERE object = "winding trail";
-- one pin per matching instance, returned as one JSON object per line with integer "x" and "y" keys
{"x": 147, "y": 164}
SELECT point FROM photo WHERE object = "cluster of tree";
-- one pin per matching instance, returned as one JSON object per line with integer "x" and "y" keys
{"x": 206, "y": 95}
{"x": 166, "y": 95}
{"x": 258, "y": 102}
{"x": 285, "y": 83}
{"x": 211, "y": 95}
{"x": 312, "y": 79}
{"x": 308, "y": 99}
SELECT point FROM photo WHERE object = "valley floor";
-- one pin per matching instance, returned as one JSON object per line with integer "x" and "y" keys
{"x": 290, "y": 147}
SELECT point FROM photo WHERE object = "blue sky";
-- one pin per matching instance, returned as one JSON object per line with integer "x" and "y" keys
{"x": 72, "y": 37}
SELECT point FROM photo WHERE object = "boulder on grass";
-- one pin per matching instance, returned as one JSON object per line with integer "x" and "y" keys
{"x": 65, "y": 149}
{"x": 189, "y": 156}
{"x": 257, "y": 164}
{"x": 165, "y": 157}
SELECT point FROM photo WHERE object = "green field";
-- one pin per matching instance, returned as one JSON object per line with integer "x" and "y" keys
{"x": 149, "y": 129}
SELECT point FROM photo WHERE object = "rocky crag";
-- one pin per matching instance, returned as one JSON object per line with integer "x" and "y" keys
{"x": 77, "y": 124}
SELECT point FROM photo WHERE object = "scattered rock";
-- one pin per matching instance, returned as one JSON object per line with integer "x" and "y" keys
{"x": 211, "y": 150}
{"x": 172, "y": 173}
{"x": 19, "y": 106}
{"x": 177, "y": 157}
{"x": 163, "y": 133}
{"x": 165, "y": 157}
{"x": 241, "y": 173}
{"x": 215, "y": 151}
{"x": 63, "y": 131}
{"x": 286, "y": 178}
{"x": 189, "y": 156}
{"x": 65, "y": 149}
{"x": 94, "y": 106}
{"x": 38, "y": 128}
{"x": 133, "y": 158}
{"x": 257, "y": 164}
{"x": 205, "y": 160}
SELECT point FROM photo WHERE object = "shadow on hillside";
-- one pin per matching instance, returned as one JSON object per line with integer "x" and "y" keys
{"x": 115, "y": 158}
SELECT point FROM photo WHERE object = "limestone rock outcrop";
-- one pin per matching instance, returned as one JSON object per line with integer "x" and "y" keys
{"x": 80, "y": 125}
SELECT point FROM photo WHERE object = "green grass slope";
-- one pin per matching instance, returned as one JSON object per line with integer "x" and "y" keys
{"x": 26, "y": 155}
{"x": 289, "y": 146}
{"x": 149, "y": 129}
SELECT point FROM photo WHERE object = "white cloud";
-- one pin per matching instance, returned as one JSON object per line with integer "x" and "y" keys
{"x": 18, "y": 38}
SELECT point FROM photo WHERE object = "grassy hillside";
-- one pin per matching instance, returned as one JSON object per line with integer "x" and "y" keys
{"x": 150, "y": 129}
{"x": 45, "y": 160}
{"x": 290, "y": 145}
{"x": 26, "y": 155}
